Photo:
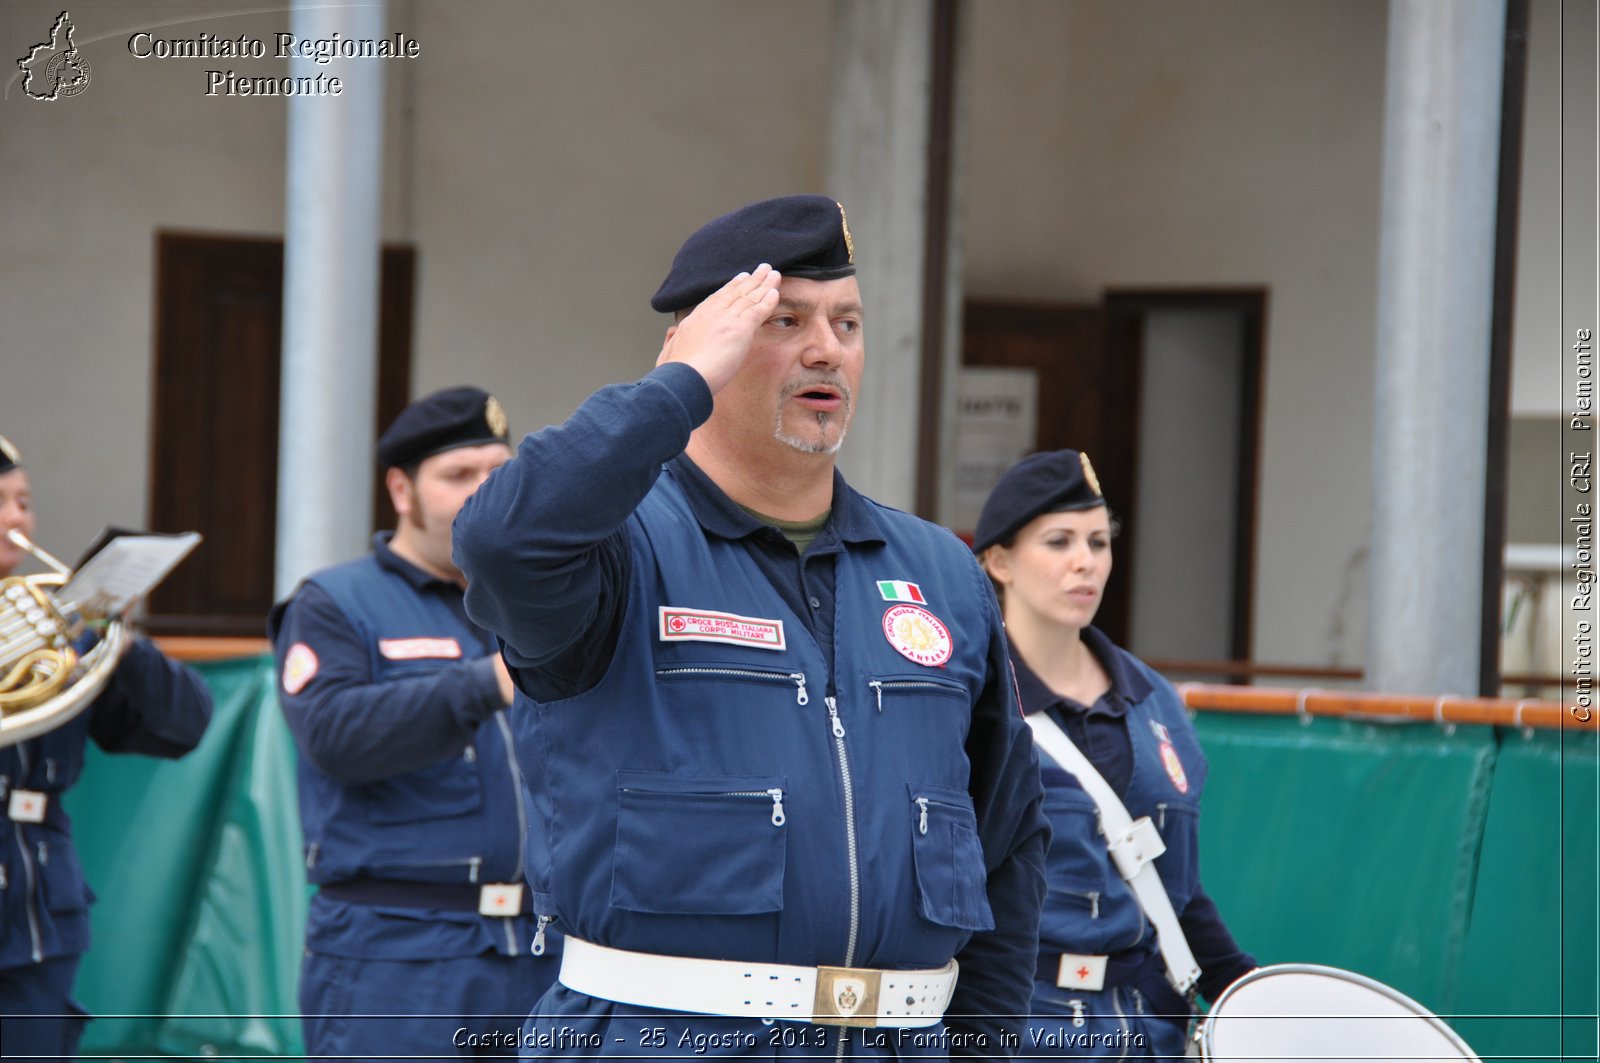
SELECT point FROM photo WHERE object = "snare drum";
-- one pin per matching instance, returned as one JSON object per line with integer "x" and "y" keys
{"x": 1292, "y": 1011}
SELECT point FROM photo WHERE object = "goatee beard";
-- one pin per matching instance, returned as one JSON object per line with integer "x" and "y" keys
{"x": 819, "y": 445}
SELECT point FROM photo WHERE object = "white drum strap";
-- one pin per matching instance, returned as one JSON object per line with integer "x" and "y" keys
{"x": 1134, "y": 845}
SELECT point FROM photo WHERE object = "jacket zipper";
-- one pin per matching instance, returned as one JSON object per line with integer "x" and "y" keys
{"x": 522, "y": 821}
{"x": 850, "y": 839}
{"x": 1139, "y": 934}
{"x": 1100, "y": 829}
{"x": 1122, "y": 1020}
{"x": 851, "y": 848}
{"x": 31, "y": 894}
{"x": 797, "y": 678}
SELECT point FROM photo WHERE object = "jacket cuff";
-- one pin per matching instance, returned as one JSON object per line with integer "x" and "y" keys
{"x": 484, "y": 686}
{"x": 688, "y": 387}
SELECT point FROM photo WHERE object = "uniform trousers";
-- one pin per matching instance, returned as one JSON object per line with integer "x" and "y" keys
{"x": 462, "y": 1007}
{"x": 39, "y": 1020}
{"x": 1114, "y": 1023}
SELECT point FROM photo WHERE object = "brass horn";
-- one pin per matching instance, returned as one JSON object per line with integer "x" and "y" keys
{"x": 43, "y": 680}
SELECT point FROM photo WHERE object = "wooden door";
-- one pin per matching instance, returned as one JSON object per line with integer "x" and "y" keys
{"x": 1088, "y": 400}
{"x": 214, "y": 461}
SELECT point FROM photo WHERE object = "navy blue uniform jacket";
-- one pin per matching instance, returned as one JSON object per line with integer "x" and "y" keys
{"x": 153, "y": 705}
{"x": 406, "y": 771}
{"x": 839, "y": 774}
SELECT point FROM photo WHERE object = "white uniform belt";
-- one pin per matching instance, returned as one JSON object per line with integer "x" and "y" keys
{"x": 831, "y": 996}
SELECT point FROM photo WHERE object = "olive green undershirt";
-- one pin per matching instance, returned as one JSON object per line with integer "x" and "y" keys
{"x": 800, "y": 532}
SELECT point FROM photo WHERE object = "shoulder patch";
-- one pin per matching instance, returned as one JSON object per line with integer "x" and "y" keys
{"x": 299, "y": 668}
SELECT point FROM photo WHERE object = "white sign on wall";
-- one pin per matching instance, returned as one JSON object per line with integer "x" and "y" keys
{"x": 996, "y": 423}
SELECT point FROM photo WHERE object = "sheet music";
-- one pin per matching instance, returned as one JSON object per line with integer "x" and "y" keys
{"x": 125, "y": 570}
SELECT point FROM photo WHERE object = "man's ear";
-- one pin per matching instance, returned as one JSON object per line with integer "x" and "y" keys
{"x": 399, "y": 487}
{"x": 666, "y": 343}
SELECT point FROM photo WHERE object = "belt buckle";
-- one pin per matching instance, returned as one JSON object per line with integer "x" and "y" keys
{"x": 846, "y": 996}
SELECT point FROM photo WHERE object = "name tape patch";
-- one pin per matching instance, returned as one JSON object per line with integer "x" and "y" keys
{"x": 418, "y": 649}
{"x": 704, "y": 625}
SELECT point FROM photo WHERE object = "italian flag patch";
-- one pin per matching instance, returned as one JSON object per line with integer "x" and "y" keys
{"x": 898, "y": 590}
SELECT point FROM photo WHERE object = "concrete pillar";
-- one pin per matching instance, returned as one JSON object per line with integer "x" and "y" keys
{"x": 877, "y": 167}
{"x": 330, "y": 299}
{"x": 1435, "y": 274}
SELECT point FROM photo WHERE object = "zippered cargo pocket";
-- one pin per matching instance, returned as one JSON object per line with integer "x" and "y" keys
{"x": 699, "y": 845}
{"x": 951, "y": 876}
{"x": 1077, "y": 861}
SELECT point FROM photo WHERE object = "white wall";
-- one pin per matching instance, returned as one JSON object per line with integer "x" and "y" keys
{"x": 1156, "y": 143}
{"x": 558, "y": 172}
{"x": 1543, "y": 221}
{"x": 547, "y": 158}
{"x": 87, "y": 183}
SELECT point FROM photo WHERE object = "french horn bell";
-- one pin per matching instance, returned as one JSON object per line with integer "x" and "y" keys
{"x": 44, "y": 681}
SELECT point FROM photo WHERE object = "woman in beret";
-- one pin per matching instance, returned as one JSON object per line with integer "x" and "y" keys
{"x": 1101, "y": 987}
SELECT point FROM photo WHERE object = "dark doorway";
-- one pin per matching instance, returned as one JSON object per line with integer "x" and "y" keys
{"x": 1162, "y": 388}
{"x": 1088, "y": 395}
{"x": 1201, "y": 366}
{"x": 214, "y": 467}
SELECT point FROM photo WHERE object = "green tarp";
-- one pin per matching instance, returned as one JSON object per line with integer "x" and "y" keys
{"x": 198, "y": 929}
{"x": 1460, "y": 868}
{"x": 1457, "y": 866}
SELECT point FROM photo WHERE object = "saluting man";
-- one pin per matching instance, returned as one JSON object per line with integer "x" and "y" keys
{"x": 783, "y": 771}
{"x": 420, "y": 938}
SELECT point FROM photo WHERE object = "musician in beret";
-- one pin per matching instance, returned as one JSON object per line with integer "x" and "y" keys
{"x": 787, "y": 804}
{"x": 1123, "y": 950}
{"x": 152, "y": 705}
{"x": 421, "y": 935}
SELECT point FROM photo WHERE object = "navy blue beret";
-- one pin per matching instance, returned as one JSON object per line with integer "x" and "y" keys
{"x": 445, "y": 420}
{"x": 1049, "y": 482}
{"x": 799, "y": 236}
{"x": 9, "y": 458}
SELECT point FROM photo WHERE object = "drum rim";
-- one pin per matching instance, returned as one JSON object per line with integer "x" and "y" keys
{"x": 1203, "y": 1033}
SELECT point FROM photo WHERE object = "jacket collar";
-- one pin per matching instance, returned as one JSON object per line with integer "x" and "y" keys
{"x": 1128, "y": 684}
{"x": 387, "y": 559}
{"x": 852, "y": 519}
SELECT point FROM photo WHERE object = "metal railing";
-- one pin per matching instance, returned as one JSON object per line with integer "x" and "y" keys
{"x": 1304, "y": 702}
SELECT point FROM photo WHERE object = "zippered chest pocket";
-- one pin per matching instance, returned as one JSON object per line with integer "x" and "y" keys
{"x": 951, "y": 876}
{"x": 890, "y": 691}
{"x": 713, "y": 672}
{"x": 699, "y": 845}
